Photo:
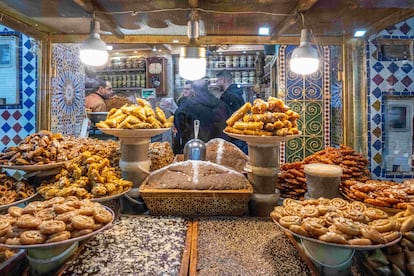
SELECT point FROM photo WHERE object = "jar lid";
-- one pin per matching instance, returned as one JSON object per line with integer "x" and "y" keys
{"x": 323, "y": 170}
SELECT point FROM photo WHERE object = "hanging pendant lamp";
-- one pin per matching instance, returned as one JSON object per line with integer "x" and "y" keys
{"x": 192, "y": 61}
{"x": 304, "y": 58}
{"x": 93, "y": 50}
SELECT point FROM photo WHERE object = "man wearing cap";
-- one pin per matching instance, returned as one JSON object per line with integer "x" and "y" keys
{"x": 232, "y": 93}
{"x": 205, "y": 107}
{"x": 233, "y": 98}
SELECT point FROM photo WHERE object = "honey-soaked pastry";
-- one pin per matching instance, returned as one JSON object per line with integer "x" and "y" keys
{"x": 333, "y": 237}
{"x": 347, "y": 226}
{"x": 314, "y": 227}
{"x": 101, "y": 215}
{"x": 375, "y": 213}
{"x": 28, "y": 221}
{"x": 298, "y": 229}
{"x": 383, "y": 225}
{"x": 15, "y": 211}
{"x": 32, "y": 237}
{"x": 81, "y": 232}
{"x": 80, "y": 222}
{"x": 52, "y": 226}
{"x": 360, "y": 241}
{"x": 372, "y": 234}
{"x": 59, "y": 236}
{"x": 287, "y": 221}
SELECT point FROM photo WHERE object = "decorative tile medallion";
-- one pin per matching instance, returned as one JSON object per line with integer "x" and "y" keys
{"x": 68, "y": 90}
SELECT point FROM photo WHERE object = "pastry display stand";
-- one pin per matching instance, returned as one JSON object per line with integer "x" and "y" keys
{"x": 47, "y": 258}
{"x": 135, "y": 163}
{"x": 262, "y": 170}
{"x": 331, "y": 258}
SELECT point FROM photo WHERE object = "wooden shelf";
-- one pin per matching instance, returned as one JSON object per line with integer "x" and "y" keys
{"x": 118, "y": 70}
{"x": 232, "y": 68}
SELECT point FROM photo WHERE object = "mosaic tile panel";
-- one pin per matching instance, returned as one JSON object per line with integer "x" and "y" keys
{"x": 68, "y": 90}
{"x": 19, "y": 121}
{"x": 386, "y": 78}
{"x": 309, "y": 96}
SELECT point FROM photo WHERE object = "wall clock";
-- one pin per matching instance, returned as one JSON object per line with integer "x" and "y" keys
{"x": 156, "y": 74}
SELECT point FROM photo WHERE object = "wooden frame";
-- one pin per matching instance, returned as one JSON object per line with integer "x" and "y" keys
{"x": 394, "y": 49}
{"x": 9, "y": 69}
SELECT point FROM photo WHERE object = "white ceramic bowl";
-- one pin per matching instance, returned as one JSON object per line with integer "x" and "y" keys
{"x": 328, "y": 255}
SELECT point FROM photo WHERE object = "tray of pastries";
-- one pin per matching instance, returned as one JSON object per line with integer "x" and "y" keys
{"x": 338, "y": 222}
{"x": 13, "y": 192}
{"x": 263, "y": 119}
{"x": 53, "y": 222}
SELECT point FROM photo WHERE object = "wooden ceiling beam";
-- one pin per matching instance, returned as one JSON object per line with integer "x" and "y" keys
{"x": 203, "y": 40}
{"x": 92, "y": 6}
{"x": 389, "y": 20}
{"x": 292, "y": 18}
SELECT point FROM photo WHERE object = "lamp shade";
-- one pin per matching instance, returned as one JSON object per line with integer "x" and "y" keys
{"x": 93, "y": 50}
{"x": 192, "y": 62}
{"x": 304, "y": 58}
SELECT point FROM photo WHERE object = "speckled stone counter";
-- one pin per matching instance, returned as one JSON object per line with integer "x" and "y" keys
{"x": 134, "y": 245}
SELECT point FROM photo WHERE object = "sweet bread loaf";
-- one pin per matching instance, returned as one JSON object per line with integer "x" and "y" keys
{"x": 197, "y": 175}
{"x": 225, "y": 153}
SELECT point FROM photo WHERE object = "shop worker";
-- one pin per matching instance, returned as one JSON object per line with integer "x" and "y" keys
{"x": 205, "y": 107}
{"x": 233, "y": 97}
{"x": 95, "y": 102}
{"x": 232, "y": 93}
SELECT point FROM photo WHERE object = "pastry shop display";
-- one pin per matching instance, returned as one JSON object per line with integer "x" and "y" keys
{"x": 161, "y": 155}
{"x": 12, "y": 190}
{"x": 36, "y": 149}
{"x": 226, "y": 154}
{"x": 55, "y": 220}
{"x": 263, "y": 118}
{"x": 197, "y": 175}
{"x": 132, "y": 116}
{"x": 88, "y": 176}
{"x": 380, "y": 193}
{"x": 338, "y": 221}
{"x": 292, "y": 181}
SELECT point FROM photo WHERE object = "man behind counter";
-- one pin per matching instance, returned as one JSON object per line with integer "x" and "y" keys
{"x": 95, "y": 102}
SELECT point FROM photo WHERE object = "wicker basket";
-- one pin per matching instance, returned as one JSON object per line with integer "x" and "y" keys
{"x": 196, "y": 202}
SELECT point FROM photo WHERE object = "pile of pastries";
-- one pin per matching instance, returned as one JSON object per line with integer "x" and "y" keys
{"x": 161, "y": 155}
{"x": 54, "y": 220}
{"x": 132, "y": 116}
{"x": 89, "y": 176}
{"x": 380, "y": 193}
{"x": 271, "y": 118}
{"x": 338, "y": 221}
{"x": 291, "y": 179}
{"x": 12, "y": 190}
{"x": 36, "y": 149}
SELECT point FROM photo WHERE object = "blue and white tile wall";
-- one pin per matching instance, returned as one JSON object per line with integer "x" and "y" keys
{"x": 68, "y": 90}
{"x": 386, "y": 78}
{"x": 18, "y": 121}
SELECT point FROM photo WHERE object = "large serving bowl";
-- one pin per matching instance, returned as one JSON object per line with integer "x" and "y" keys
{"x": 96, "y": 117}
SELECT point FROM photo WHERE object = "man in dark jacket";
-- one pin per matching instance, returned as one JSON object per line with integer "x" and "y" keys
{"x": 211, "y": 112}
{"x": 233, "y": 97}
{"x": 233, "y": 93}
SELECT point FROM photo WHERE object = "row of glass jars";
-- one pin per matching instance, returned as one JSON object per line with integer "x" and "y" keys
{"x": 126, "y": 63}
{"x": 238, "y": 61}
{"x": 126, "y": 80}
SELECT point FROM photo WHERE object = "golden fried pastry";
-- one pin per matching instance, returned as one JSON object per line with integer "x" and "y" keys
{"x": 333, "y": 237}
{"x": 28, "y": 221}
{"x": 287, "y": 221}
{"x": 59, "y": 236}
{"x": 52, "y": 226}
{"x": 82, "y": 222}
{"x": 32, "y": 237}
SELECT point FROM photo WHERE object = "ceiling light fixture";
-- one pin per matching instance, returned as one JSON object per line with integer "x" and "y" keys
{"x": 192, "y": 62}
{"x": 264, "y": 31}
{"x": 93, "y": 50}
{"x": 359, "y": 33}
{"x": 304, "y": 59}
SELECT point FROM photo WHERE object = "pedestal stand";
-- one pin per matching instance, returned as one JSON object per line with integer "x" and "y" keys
{"x": 263, "y": 167}
{"x": 135, "y": 163}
